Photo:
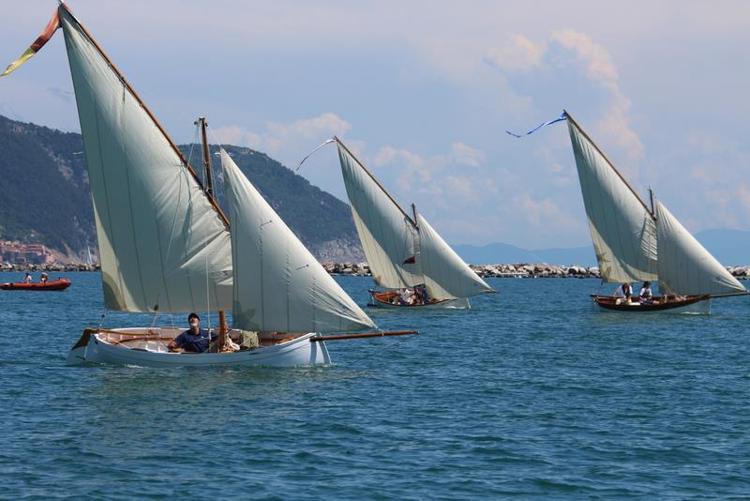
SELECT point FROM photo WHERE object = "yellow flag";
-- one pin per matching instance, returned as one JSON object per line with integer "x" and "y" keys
{"x": 42, "y": 39}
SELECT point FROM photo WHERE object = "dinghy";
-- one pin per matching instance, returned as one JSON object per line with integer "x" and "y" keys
{"x": 165, "y": 245}
{"x": 59, "y": 284}
{"x": 635, "y": 242}
{"x": 404, "y": 251}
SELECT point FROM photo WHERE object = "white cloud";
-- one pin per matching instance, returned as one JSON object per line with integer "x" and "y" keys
{"x": 518, "y": 54}
{"x": 601, "y": 69}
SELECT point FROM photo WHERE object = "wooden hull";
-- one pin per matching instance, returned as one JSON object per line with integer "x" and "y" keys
{"x": 147, "y": 347}
{"x": 383, "y": 299}
{"x": 685, "y": 304}
{"x": 52, "y": 285}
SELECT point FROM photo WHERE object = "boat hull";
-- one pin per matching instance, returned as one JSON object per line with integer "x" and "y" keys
{"x": 52, "y": 285}
{"x": 95, "y": 348}
{"x": 690, "y": 304}
{"x": 380, "y": 299}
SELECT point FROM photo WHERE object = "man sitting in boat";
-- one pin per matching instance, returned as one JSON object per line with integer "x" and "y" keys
{"x": 646, "y": 294}
{"x": 623, "y": 293}
{"x": 44, "y": 277}
{"x": 406, "y": 297}
{"x": 28, "y": 278}
{"x": 193, "y": 340}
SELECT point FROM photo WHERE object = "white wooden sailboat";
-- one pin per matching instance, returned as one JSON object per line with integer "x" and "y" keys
{"x": 165, "y": 245}
{"x": 635, "y": 242}
{"x": 402, "y": 250}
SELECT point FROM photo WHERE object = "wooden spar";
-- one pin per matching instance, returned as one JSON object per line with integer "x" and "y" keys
{"x": 206, "y": 157}
{"x": 362, "y": 166}
{"x": 362, "y": 335}
{"x": 140, "y": 101}
{"x": 222, "y": 328}
{"x": 611, "y": 165}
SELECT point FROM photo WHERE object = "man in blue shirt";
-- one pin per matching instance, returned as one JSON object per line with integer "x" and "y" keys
{"x": 193, "y": 340}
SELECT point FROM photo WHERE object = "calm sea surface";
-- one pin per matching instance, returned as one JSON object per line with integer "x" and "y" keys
{"x": 532, "y": 392}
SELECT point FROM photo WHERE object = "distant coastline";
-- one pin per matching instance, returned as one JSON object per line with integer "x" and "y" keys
{"x": 515, "y": 270}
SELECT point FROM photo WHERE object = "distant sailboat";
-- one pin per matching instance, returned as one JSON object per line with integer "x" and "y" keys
{"x": 635, "y": 242}
{"x": 403, "y": 251}
{"x": 165, "y": 245}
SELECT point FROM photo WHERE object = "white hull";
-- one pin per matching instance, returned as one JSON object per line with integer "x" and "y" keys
{"x": 299, "y": 351}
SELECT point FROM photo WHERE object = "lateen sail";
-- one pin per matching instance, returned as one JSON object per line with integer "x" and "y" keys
{"x": 278, "y": 284}
{"x": 622, "y": 228}
{"x": 389, "y": 237}
{"x": 162, "y": 245}
{"x": 685, "y": 266}
{"x": 445, "y": 273}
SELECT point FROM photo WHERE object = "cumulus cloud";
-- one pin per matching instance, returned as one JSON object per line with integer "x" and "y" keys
{"x": 518, "y": 54}
{"x": 601, "y": 69}
{"x": 277, "y": 137}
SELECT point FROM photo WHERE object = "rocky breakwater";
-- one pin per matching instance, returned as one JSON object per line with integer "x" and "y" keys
{"x": 54, "y": 267}
{"x": 538, "y": 270}
{"x": 519, "y": 270}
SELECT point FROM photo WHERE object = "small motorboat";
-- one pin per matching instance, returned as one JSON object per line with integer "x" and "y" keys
{"x": 50, "y": 285}
{"x": 657, "y": 303}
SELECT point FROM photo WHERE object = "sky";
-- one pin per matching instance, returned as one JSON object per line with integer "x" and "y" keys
{"x": 423, "y": 91}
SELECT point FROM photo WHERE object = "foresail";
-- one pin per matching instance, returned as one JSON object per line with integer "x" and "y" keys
{"x": 389, "y": 237}
{"x": 162, "y": 244}
{"x": 685, "y": 266}
{"x": 278, "y": 284}
{"x": 622, "y": 228}
{"x": 446, "y": 274}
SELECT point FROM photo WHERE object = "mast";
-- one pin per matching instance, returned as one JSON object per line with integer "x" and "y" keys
{"x": 651, "y": 199}
{"x": 209, "y": 188}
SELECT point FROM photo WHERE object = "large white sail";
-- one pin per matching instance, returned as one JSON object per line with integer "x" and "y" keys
{"x": 162, "y": 244}
{"x": 278, "y": 284}
{"x": 446, "y": 274}
{"x": 622, "y": 228}
{"x": 685, "y": 266}
{"x": 389, "y": 237}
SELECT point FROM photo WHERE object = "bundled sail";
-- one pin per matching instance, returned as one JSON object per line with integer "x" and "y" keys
{"x": 403, "y": 251}
{"x": 278, "y": 284}
{"x": 622, "y": 228}
{"x": 163, "y": 244}
{"x": 685, "y": 266}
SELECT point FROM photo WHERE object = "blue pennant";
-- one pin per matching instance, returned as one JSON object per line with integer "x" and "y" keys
{"x": 562, "y": 117}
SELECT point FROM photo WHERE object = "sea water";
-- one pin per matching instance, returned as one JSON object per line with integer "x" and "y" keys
{"x": 532, "y": 392}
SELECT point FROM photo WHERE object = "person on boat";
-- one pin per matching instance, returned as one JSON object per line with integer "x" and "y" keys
{"x": 420, "y": 294}
{"x": 406, "y": 297}
{"x": 193, "y": 340}
{"x": 27, "y": 279}
{"x": 646, "y": 293}
{"x": 44, "y": 277}
{"x": 624, "y": 292}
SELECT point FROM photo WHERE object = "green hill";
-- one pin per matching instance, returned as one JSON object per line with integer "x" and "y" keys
{"x": 44, "y": 195}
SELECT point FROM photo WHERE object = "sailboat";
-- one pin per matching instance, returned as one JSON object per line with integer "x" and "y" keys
{"x": 165, "y": 245}
{"x": 404, "y": 252}
{"x": 638, "y": 242}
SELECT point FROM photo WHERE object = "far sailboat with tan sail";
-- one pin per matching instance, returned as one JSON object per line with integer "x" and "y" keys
{"x": 407, "y": 257}
{"x": 636, "y": 242}
{"x": 165, "y": 246}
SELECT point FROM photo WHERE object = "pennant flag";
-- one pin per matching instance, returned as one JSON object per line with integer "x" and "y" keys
{"x": 49, "y": 30}
{"x": 562, "y": 117}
